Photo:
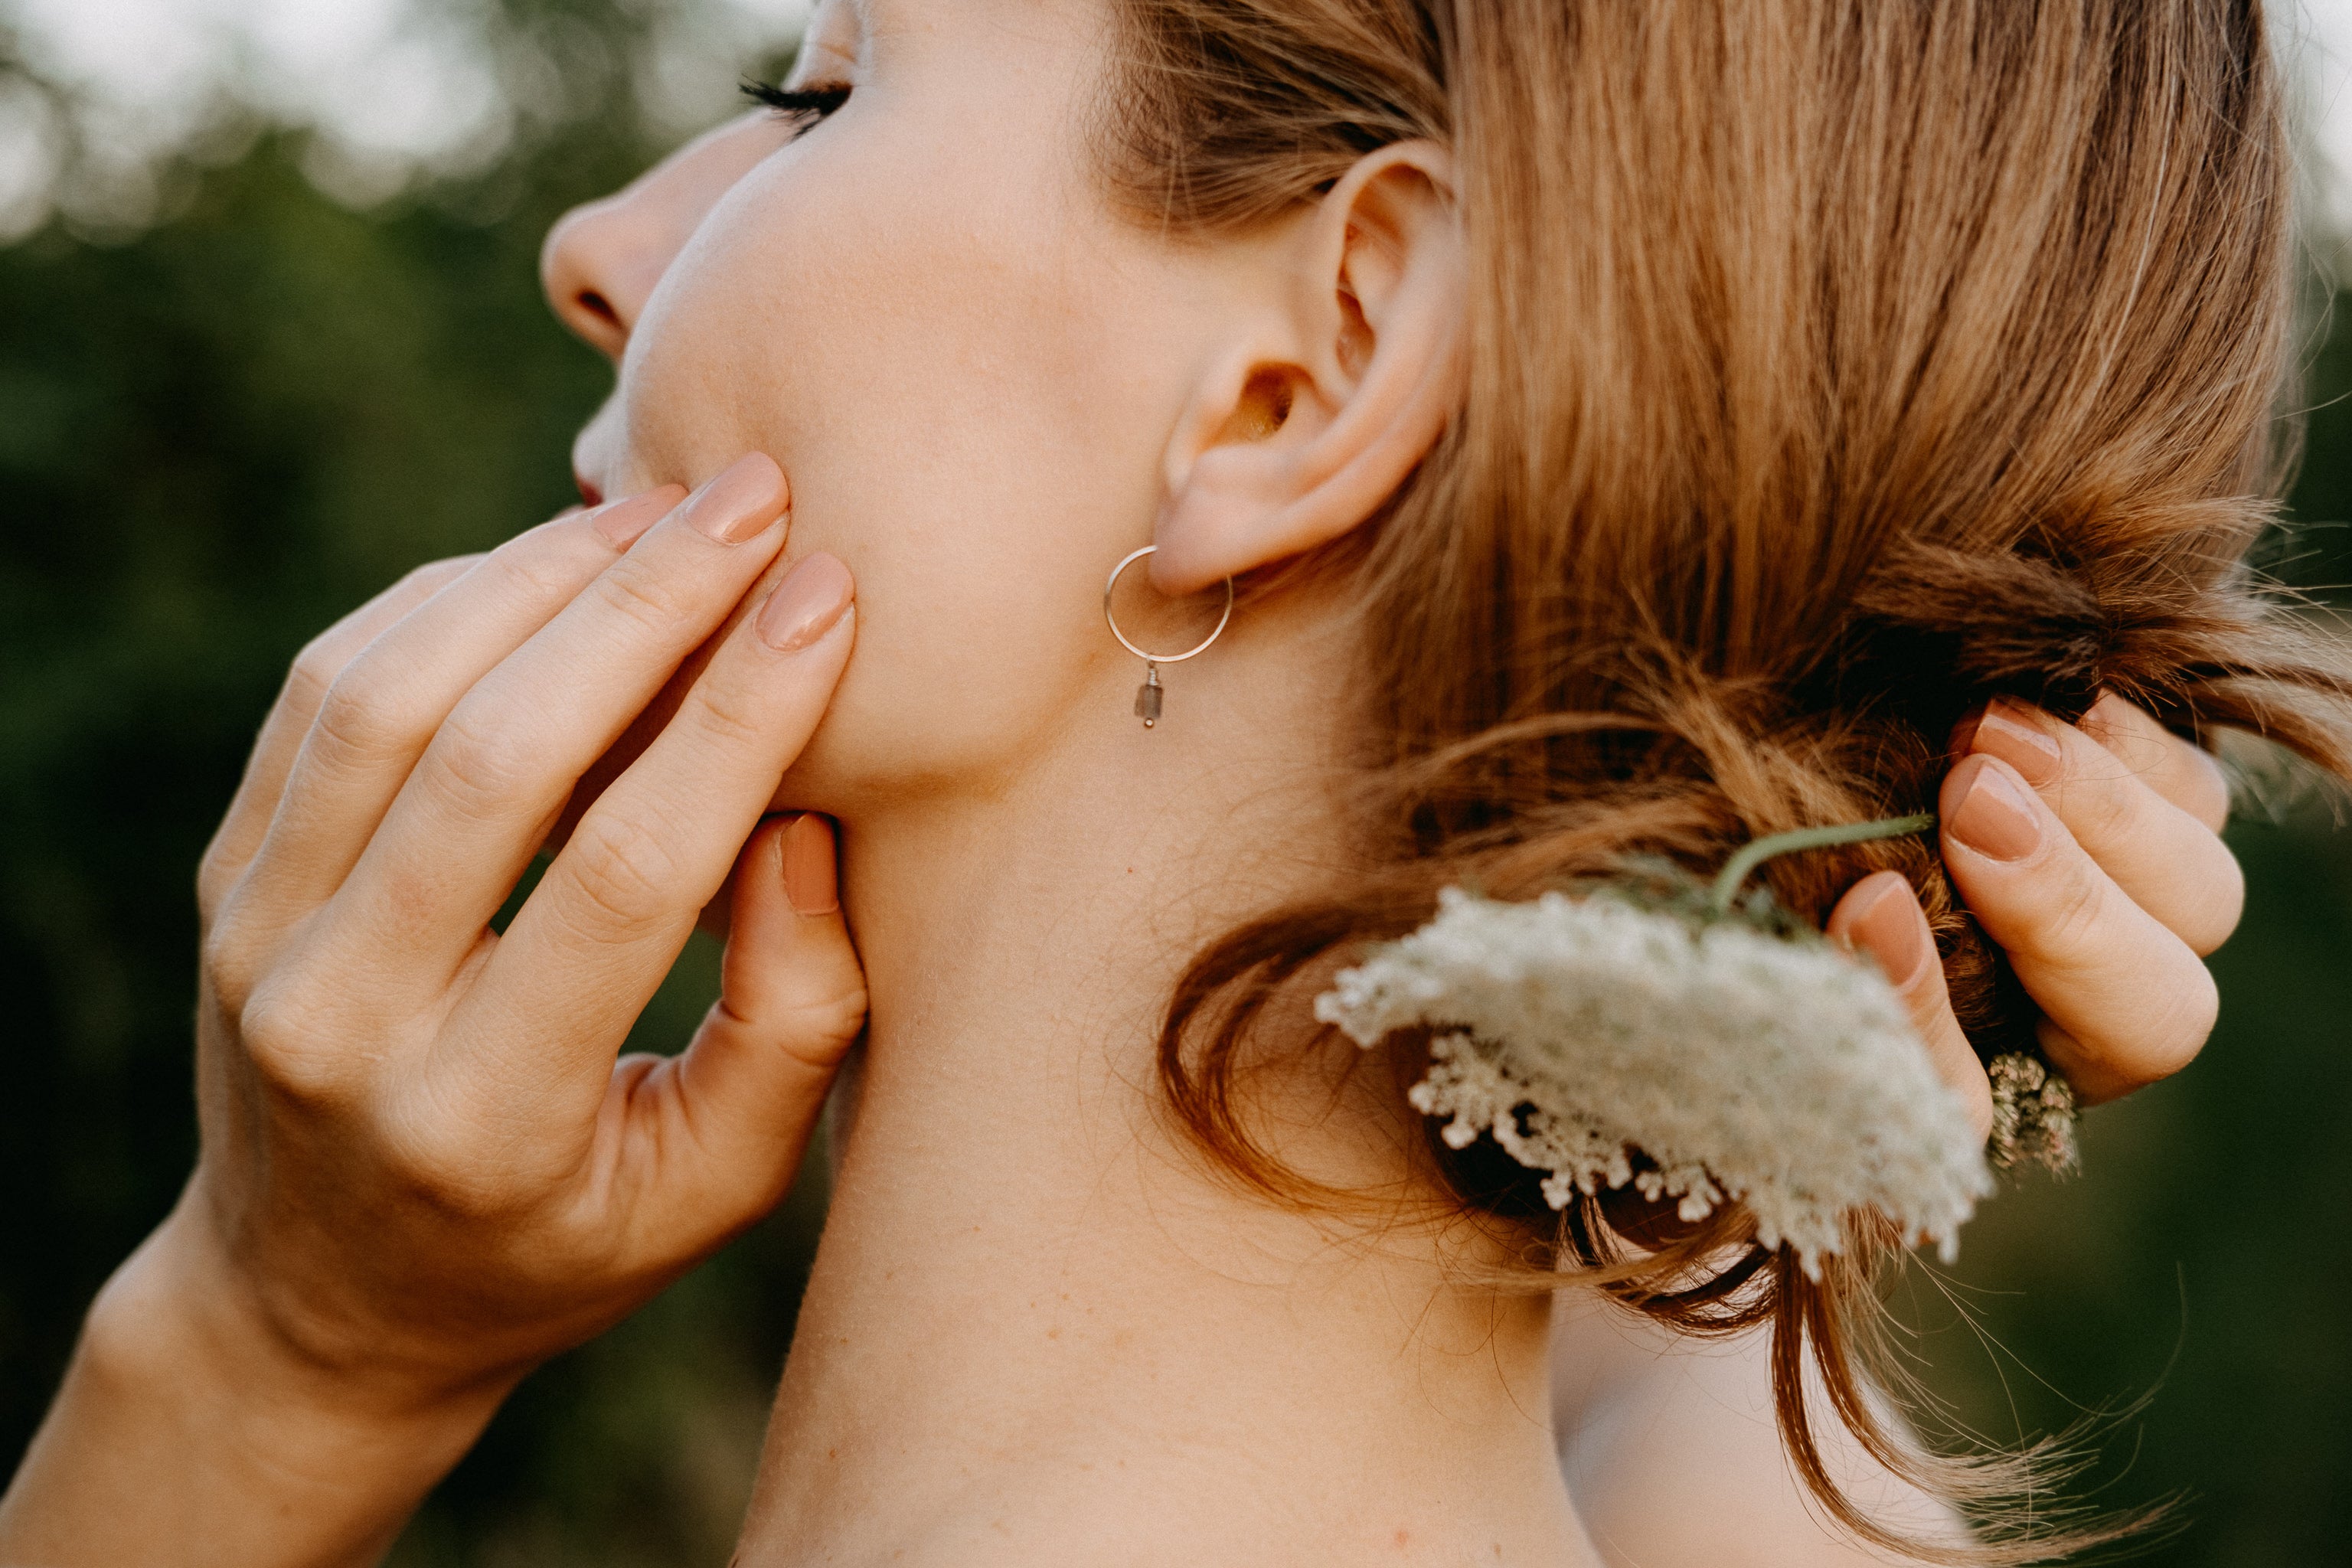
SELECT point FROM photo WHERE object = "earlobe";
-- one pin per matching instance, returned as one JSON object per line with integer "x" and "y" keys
{"x": 1309, "y": 424}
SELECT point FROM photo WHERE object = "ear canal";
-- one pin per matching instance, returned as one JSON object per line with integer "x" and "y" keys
{"x": 1264, "y": 407}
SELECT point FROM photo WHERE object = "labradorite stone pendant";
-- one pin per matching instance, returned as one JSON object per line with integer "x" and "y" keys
{"x": 1150, "y": 695}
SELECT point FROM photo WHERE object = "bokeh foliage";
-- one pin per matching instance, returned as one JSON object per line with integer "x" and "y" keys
{"x": 219, "y": 434}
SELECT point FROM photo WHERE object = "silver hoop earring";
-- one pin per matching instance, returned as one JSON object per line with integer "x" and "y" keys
{"x": 1147, "y": 695}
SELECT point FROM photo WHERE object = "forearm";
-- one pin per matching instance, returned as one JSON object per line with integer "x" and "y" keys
{"x": 184, "y": 1435}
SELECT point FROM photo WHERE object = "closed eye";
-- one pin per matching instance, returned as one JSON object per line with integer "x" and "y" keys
{"x": 800, "y": 107}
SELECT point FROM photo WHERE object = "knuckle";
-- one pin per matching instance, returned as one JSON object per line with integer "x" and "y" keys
{"x": 2188, "y": 1023}
{"x": 829, "y": 1021}
{"x": 2071, "y": 926}
{"x": 729, "y": 714}
{"x": 2144, "y": 1035}
{"x": 531, "y": 570}
{"x": 624, "y": 874}
{"x": 2203, "y": 788}
{"x": 822, "y": 1003}
{"x": 478, "y": 774}
{"x": 2125, "y": 731}
{"x": 2213, "y": 916}
{"x": 2170, "y": 1037}
{"x": 289, "y": 1041}
{"x": 314, "y": 670}
{"x": 632, "y": 591}
{"x": 362, "y": 720}
{"x": 225, "y": 965}
{"x": 2103, "y": 811}
{"x": 216, "y": 873}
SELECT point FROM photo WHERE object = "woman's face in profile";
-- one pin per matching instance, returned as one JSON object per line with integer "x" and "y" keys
{"x": 922, "y": 306}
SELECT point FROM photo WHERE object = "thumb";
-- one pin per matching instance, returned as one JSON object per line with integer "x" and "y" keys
{"x": 792, "y": 1000}
{"x": 1881, "y": 916}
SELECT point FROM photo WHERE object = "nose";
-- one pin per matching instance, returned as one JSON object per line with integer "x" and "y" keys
{"x": 602, "y": 261}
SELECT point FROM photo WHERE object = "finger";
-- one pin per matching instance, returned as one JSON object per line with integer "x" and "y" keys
{"x": 2131, "y": 1003}
{"x": 2164, "y": 858}
{"x": 1881, "y": 916}
{"x": 606, "y": 923}
{"x": 488, "y": 786}
{"x": 2182, "y": 771}
{"x": 738, "y": 1106}
{"x": 274, "y": 749}
{"x": 384, "y": 705}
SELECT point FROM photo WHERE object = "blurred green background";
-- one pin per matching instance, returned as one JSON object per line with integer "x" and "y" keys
{"x": 231, "y": 414}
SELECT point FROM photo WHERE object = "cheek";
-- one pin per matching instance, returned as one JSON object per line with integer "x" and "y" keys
{"x": 948, "y": 368}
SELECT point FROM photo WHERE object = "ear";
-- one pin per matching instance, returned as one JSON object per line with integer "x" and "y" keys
{"x": 1306, "y": 426}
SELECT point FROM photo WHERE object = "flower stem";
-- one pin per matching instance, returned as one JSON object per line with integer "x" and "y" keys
{"x": 1736, "y": 871}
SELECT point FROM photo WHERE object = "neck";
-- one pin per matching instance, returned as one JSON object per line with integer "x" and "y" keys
{"x": 1035, "y": 1317}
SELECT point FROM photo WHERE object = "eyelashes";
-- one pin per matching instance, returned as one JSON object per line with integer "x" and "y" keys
{"x": 802, "y": 107}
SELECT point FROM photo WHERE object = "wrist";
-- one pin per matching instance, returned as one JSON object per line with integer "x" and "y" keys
{"x": 179, "y": 1322}
{"x": 192, "y": 1429}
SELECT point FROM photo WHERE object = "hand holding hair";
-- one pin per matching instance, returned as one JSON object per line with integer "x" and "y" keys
{"x": 425, "y": 1167}
{"x": 2091, "y": 854}
{"x": 2127, "y": 881}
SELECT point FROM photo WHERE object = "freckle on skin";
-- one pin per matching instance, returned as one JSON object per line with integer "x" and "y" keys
{"x": 1402, "y": 1536}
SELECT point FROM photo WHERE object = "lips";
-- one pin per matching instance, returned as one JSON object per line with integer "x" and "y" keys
{"x": 589, "y": 494}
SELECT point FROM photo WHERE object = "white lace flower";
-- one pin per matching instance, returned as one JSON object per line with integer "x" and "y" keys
{"x": 1745, "y": 1065}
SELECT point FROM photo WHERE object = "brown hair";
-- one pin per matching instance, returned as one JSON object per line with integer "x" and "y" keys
{"x": 1833, "y": 365}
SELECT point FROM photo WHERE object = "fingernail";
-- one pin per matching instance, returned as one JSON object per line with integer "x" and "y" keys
{"x": 2007, "y": 733}
{"x": 741, "y": 501}
{"x": 806, "y": 603}
{"x": 810, "y": 886}
{"x": 1891, "y": 928}
{"x": 624, "y": 523}
{"x": 1996, "y": 816}
{"x": 1964, "y": 734}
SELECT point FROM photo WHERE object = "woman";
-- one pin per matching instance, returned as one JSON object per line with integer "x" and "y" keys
{"x": 1457, "y": 335}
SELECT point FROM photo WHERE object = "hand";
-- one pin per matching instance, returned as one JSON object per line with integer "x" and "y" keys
{"x": 2092, "y": 854}
{"x": 2100, "y": 870}
{"x": 424, "y": 1169}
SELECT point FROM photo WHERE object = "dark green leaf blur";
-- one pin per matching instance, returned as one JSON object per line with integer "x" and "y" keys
{"x": 223, "y": 430}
